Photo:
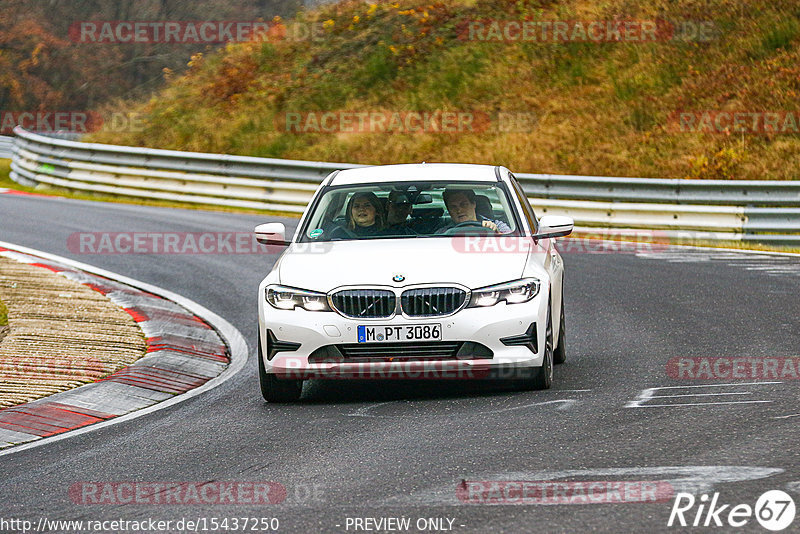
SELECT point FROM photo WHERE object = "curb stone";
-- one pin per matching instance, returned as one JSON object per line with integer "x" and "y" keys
{"x": 183, "y": 353}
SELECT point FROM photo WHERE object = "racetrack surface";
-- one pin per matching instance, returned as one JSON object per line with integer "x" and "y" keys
{"x": 378, "y": 449}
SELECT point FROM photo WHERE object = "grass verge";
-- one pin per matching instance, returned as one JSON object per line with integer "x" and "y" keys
{"x": 3, "y": 314}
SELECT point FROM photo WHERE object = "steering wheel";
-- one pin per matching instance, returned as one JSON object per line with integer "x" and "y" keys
{"x": 472, "y": 225}
{"x": 342, "y": 232}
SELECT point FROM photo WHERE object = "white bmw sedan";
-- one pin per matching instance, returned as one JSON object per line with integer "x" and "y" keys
{"x": 413, "y": 271}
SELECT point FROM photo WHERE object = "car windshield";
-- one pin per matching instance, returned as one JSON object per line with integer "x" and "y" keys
{"x": 409, "y": 210}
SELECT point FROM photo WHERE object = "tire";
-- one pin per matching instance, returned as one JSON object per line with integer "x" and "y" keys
{"x": 275, "y": 389}
{"x": 542, "y": 377}
{"x": 560, "y": 352}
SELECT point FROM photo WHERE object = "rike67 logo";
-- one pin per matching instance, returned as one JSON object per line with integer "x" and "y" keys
{"x": 774, "y": 510}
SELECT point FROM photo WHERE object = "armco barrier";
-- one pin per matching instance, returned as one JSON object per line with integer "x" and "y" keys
{"x": 663, "y": 191}
{"x": 237, "y": 181}
{"x": 6, "y": 145}
{"x": 736, "y": 210}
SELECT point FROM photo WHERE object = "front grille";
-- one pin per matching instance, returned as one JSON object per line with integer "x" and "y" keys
{"x": 364, "y": 303}
{"x": 370, "y": 352}
{"x": 403, "y": 352}
{"x": 432, "y": 301}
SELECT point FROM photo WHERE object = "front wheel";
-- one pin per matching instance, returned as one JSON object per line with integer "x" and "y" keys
{"x": 275, "y": 389}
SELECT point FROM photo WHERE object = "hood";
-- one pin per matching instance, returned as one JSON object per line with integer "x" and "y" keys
{"x": 325, "y": 266}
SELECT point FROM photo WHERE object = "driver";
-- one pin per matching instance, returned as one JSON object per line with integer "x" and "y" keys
{"x": 461, "y": 206}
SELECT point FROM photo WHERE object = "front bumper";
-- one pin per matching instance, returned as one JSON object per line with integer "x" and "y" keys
{"x": 489, "y": 328}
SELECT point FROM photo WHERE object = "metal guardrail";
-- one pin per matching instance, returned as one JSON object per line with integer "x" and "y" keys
{"x": 6, "y": 145}
{"x": 656, "y": 190}
{"x": 236, "y": 181}
{"x": 766, "y": 212}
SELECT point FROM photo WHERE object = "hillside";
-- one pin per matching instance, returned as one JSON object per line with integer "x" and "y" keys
{"x": 46, "y": 67}
{"x": 567, "y": 106}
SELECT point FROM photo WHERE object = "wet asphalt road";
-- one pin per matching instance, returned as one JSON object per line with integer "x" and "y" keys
{"x": 355, "y": 450}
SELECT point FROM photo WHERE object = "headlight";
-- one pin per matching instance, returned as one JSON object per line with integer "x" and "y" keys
{"x": 514, "y": 292}
{"x": 289, "y": 298}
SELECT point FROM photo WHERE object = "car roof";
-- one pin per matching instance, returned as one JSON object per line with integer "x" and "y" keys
{"x": 414, "y": 172}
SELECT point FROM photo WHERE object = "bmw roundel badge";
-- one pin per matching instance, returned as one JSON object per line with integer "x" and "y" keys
{"x": 398, "y": 278}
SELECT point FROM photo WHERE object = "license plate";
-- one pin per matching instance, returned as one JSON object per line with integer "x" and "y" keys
{"x": 394, "y": 333}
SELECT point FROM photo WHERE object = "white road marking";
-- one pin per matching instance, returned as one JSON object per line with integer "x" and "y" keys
{"x": 565, "y": 403}
{"x": 649, "y": 394}
{"x": 365, "y": 411}
{"x": 699, "y": 404}
{"x": 787, "y": 416}
{"x": 699, "y": 395}
{"x": 775, "y": 264}
{"x": 362, "y": 412}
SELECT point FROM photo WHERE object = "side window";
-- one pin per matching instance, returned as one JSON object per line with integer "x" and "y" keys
{"x": 527, "y": 210}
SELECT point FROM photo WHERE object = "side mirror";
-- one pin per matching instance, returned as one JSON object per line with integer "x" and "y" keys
{"x": 271, "y": 234}
{"x": 554, "y": 226}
